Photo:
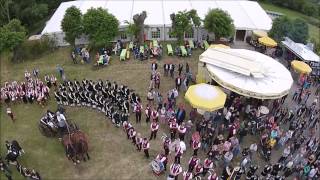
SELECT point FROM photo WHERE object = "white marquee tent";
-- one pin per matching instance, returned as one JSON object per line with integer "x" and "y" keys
{"x": 301, "y": 50}
{"x": 248, "y": 73}
{"x": 247, "y": 15}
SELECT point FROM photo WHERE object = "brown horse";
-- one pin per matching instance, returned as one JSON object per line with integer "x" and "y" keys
{"x": 76, "y": 146}
{"x": 80, "y": 141}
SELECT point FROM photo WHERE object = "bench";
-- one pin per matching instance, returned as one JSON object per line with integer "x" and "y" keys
{"x": 191, "y": 44}
{"x": 170, "y": 51}
{"x": 123, "y": 54}
{"x": 206, "y": 45}
{"x": 183, "y": 51}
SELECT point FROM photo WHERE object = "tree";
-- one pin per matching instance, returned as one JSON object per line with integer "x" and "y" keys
{"x": 72, "y": 24}
{"x": 220, "y": 23}
{"x": 182, "y": 23}
{"x": 101, "y": 26}
{"x": 280, "y": 28}
{"x": 299, "y": 32}
{"x": 132, "y": 29}
{"x": 138, "y": 26}
{"x": 12, "y": 35}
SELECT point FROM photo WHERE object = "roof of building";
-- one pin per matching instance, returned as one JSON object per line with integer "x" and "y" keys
{"x": 247, "y": 15}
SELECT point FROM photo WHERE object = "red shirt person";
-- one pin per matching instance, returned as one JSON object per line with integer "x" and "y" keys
{"x": 154, "y": 126}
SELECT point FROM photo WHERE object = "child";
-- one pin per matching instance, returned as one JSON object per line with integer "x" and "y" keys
{"x": 10, "y": 114}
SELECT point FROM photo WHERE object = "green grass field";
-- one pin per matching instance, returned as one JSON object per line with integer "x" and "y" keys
{"x": 112, "y": 155}
{"x": 314, "y": 31}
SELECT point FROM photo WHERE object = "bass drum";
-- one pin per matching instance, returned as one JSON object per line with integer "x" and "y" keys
{"x": 157, "y": 167}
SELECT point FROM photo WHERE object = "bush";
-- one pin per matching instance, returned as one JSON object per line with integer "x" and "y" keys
{"x": 33, "y": 49}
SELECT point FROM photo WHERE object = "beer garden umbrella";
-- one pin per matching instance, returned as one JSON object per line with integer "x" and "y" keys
{"x": 301, "y": 67}
{"x": 205, "y": 97}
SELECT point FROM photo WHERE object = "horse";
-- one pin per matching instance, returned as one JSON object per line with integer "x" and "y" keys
{"x": 80, "y": 141}
{"x": 69, "y": 148}
{"x": 76, "y": 146}
{"x": 14, "y": 151}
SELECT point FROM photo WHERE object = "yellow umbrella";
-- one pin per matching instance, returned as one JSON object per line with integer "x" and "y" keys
{"x": 260, "y": 33}
{"x": 301, "y": 67}
{"x": 267, "y": 41}
{"x": 205, "y": 97}
{"x": 219, "y": 46}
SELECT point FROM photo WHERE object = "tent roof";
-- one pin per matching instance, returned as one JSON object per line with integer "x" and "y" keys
{"x": 248, "y": 73}
{"x": 247, "y": 15}
{"x": 301, "y": 50}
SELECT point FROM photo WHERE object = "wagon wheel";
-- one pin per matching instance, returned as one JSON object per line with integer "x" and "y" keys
{"x": 46, "y": 131}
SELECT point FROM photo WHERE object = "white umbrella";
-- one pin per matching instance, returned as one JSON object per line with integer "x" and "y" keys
{"x": 263, "y": 78}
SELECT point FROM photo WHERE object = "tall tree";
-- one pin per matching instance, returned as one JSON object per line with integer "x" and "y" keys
{"x": 299, "y": 32}
{"x": 138, "y": 25}
{"x": 72, "y": 24}
{"x": 280, "y": 28}
{"x": 220, "y": 23}
{"x": 12, "y": 35}
{"x": 182, "y": 23}
{"x": 101, "y": 26}
{"x": 132, "y": 29}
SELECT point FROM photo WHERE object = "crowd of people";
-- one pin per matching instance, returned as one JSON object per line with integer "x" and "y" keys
{"x": 108, "y": 97}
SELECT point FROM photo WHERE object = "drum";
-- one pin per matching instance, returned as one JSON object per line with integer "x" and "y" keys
{"x": 157, "y": 167}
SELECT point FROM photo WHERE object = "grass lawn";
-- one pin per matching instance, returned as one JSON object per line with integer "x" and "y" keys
{"x": 112, "y": 155}
{"x": 314, "y": 31}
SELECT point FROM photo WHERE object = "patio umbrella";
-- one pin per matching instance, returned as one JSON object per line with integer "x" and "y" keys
{"x": 259, "y": 33}
{"x": 301, "y": 67}
{"x": 267, "y": 41}
{"x": 206, "y": 97}
{"x": 219, "y": 46}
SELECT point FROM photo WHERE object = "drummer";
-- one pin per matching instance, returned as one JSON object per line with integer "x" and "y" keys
{"x": 187, "y": 175}
{"x": 163, "y": 159}
{"x": 175, "y": 170}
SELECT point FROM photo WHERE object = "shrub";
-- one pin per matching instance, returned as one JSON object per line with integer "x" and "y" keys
{"x": 33, "y": 49}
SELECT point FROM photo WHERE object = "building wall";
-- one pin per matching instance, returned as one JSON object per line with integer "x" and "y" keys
{"x": 199, "y": 34}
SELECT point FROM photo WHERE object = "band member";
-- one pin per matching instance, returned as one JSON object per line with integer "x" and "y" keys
{"x": 154, "y": 129}
{"x": 178, "y": 83}
{"x": 267, "y": 169}
{"x": 148, "y": 114}
{"x": 195, "y": 146}
{"x": 145, "y": 147}
{"x": 171, "y": 69}
{"x": 194, "y": 160}
{"x": 154, "y": 66}
{"x": 178, "y": 153}
{"x": 198, "y": 170}
{"x": 137, "y": 110}
{"x": 139, "y": 142}
{"x": 251, "y": 172}
{"x": 154, "y": 115}
{"x": 166, "y": 69}
{"x": 182, "y": 131}
{"x": 132, "y": 135}
{"x": 175, "y": 170}
{"x": 187, "y": 175}
{"x": 166, "y": 144}
{"x": 173, "y": 129}
{"x": 213, "y": 176}
{"x": 207, "y": 164}
{"x": 163, "y": 158}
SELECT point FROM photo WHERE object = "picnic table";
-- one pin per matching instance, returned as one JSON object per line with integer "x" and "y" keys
{"x": 206, "y": 45}
{"x": 123, "y": 54}
{"x": 191, "y": 44}
{"x": 141, "y": 49}
{"x": 131, "y": 45}
{"x": 155, "y": 43}
{"x": 170, "y": 51}
{"x": 183, "y": 51}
